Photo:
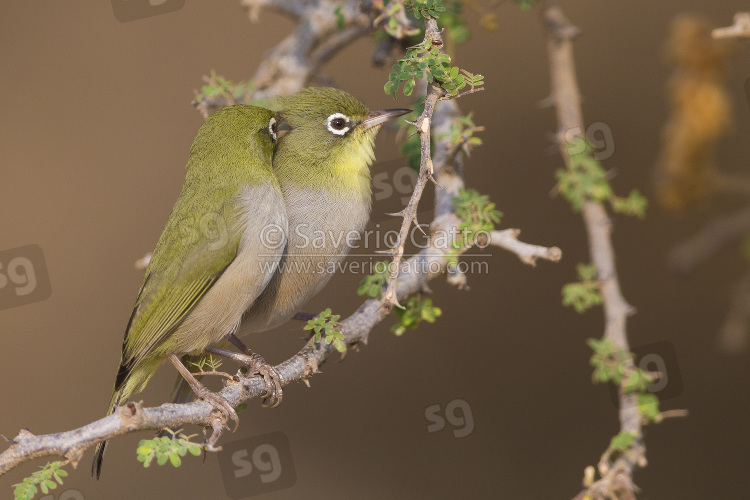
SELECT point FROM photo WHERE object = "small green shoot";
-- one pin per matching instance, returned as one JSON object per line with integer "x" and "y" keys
{"x": 328, "y": 325}
{"x": 165, "y": 449}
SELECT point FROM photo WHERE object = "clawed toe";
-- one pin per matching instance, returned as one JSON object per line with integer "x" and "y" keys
{"x": 271, "y": 379}
{"x": 221, "y": 404}
{"x": 256, "y": 365}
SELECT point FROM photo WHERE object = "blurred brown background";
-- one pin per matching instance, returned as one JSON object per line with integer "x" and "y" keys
{"x": 96, "y": 126}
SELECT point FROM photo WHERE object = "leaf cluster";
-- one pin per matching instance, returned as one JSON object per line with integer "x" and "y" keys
{"x": 372, "y": 285}
{"x": 426, "y": 8}
{"x": 232, "y": 92}
{"x": 585, "y": 179}
{"x": 583, "y": 294}
{"x": 394, "y": 20}
{"x": 27, "y": 489}
{"x": 478, "y": 216}
{"x": 327, "y": 324}
{"x": 462, "y": 134}
{"x": 617, "y": 366}
{"x": 167, "y": 448}
{"x": 415, "y": 311}
{"x": 476, "y": 211}
{"x": 217, "y": 85}
{"x": 426, "y": 61}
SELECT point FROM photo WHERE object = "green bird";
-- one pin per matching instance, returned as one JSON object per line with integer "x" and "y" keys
{"x": 213, "y": 259}
{"x": 322, "y": 161}
{"x": 323, "y": 165}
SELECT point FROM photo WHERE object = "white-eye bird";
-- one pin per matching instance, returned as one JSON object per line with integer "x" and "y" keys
{"x": 212, "y": 259}
{"x": 322, "y": 161}
{"x": 323, "y": 165}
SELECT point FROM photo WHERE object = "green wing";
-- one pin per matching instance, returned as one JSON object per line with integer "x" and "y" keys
{"x": 195, "y": 248}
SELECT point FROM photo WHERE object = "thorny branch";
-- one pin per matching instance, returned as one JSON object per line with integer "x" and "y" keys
{"x": 617, "y": 477}
{"x": 413, "y": 274}
{"x": 297, "y": 58}
{"x": 433, "y": 38}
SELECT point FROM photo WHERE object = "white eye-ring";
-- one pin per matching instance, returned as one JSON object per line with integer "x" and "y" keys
{"x": 272, "y": 127}
{"x": 338, "y": 123}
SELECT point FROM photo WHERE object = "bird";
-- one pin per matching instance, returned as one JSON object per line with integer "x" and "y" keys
{"x": 211, "y": 261}
{"x": 323, "y": 164}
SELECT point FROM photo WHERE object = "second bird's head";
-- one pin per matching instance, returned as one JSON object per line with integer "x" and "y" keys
{"x": 327, "y": 128}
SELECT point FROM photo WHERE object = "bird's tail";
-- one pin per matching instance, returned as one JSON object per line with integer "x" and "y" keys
{"x": 130, "y": 380}
{"x": 96, "y": 465}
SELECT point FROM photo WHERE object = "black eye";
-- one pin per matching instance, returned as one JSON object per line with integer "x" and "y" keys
{"x": 338, "y": 124}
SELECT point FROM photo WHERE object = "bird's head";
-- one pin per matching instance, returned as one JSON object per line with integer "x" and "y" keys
{"x": 233, "y": 138}
{"x": 330, "y": 131}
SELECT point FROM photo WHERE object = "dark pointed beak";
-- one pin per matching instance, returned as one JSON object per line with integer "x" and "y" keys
{"x": 377, "y": 118}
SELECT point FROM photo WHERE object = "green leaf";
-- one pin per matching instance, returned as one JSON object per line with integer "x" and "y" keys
{"x": 409, "y": 87}
{"x": 340, "y": 21}
{"x": 339, "y": 345}
{"x": 622, "y": 441}
{"x": 648, "y": 406}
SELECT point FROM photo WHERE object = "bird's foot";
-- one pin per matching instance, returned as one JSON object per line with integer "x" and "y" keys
{"x": 256, "y": 365}
{"x": 271, "y": 379}
{"x": 219, "y": 402}
{"x": 202, "y": 392}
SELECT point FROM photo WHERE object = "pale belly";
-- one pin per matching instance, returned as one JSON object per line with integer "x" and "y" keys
{"x": 319, "y": 239}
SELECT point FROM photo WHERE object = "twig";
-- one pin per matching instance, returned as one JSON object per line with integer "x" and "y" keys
{"x": 296, "y": 59}
{"x": 740, "y": 28}
{"x": 508, "y": 239}
{"x": 213, "y": 372}
{"x": 433, "y": 38}
{"x": 567, "y": 103}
